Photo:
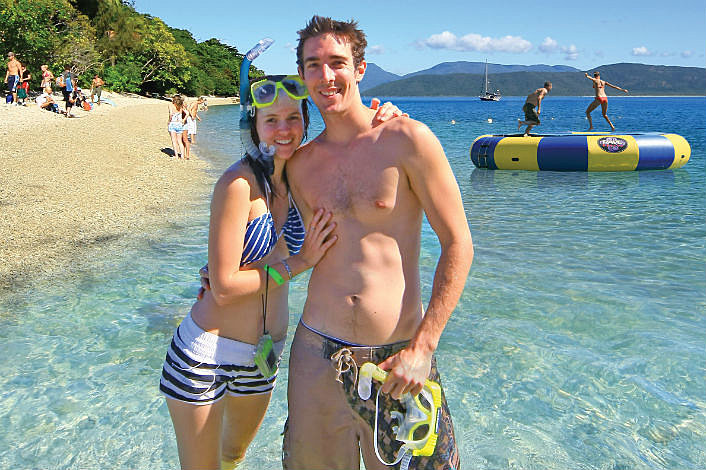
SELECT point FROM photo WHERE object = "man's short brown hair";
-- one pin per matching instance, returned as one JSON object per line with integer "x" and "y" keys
{"x": 319, "y": 25}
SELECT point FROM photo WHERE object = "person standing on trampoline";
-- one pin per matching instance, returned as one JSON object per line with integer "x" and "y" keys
{"x": 601, "y": 99}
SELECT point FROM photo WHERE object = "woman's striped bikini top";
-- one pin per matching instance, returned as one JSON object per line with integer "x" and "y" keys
{"x": 261, "y": 235}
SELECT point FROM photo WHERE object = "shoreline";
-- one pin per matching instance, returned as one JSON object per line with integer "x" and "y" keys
{"x": 70, "y": 187}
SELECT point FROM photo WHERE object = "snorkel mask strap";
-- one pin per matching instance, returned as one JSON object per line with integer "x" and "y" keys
{"x": 263, "y": 152}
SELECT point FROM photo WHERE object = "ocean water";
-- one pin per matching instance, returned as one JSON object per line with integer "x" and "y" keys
{"x": 579, "y": 341}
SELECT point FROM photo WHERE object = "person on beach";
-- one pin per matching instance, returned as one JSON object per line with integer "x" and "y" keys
{"x": 23, "y": 89}
{"x": 46, "y": 101}
{"x": 96, "y": 89}
{"x": 364, "y": 296}
{"x": 47, "y": 77}
{"x": 185, "y": 135}
{"x": 600, "y": 99}
{"x": 12, "y": 75}
{"x": 175, "y": 125}
{"x": 193, "y": 110}
{"x": 534, "y": 100}
{"x": 67, "y": 83}
{"x": 216, "y": 394}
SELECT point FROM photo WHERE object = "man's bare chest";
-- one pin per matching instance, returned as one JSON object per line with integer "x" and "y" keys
{"x": 357, "y": 187}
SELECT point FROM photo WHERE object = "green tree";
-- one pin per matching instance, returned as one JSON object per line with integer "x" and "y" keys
{"x": 43, "y": 32}
{"x": 119, "y": 29}
{"x": 164, "y": 62}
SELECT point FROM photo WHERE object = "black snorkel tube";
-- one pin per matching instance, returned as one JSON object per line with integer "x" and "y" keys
{"x": 263, "y": 153}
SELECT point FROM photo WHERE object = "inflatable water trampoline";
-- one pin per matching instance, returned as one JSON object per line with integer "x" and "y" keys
{"x": 580, "y": 152}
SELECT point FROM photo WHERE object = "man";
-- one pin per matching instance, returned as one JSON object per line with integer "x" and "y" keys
{"x": 12, "y": 76}
{"x": 193, "y": 109}
{"x": 378, "y": 182}
{"x": 45, "y": 101}
{"x": 601, "y": 99}
{"x": 96, "y": 88}
{"x": 68, "y": 87}
{"x": 534, "y": 99}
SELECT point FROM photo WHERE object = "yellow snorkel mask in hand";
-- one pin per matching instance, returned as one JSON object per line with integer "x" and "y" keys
{"x": 415, "y": 416}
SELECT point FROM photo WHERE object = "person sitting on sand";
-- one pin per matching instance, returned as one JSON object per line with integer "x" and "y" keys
{"x": 175, "y": 125}
{"x": 534, "y": 99}
{"x": 600, "y": 99}
{"x": 46, "y": 101}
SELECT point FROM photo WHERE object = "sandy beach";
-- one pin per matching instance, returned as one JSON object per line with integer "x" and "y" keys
{"x": 70, "y": 186}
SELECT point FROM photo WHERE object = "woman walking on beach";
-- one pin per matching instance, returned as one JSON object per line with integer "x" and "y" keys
{"x": 175, "y": 125}
{"x": 601, "y": 99}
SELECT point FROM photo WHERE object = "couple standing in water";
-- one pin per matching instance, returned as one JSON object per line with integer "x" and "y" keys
{"x": 361, "y": 189}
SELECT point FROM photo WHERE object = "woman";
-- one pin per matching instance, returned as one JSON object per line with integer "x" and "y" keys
{"x": 175, "y": 125}
{"x": 216, "y": 394}
{"x": 47, "y": 77}
{"x": 601, "y": 99}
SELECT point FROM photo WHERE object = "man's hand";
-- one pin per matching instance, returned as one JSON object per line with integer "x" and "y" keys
{"x": 205, "y": 284}
{"x": 386, "y": 112}
{"x": 407, "y": 372}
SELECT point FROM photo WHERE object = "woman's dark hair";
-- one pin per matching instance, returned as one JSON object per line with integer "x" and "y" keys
{"x": 262, "y": 175}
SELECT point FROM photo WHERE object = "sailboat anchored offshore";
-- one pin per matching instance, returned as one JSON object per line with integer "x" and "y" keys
{"x": 487, "y": 95}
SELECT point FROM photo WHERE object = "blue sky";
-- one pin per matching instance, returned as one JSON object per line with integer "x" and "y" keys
{"x": 407, "y": 36}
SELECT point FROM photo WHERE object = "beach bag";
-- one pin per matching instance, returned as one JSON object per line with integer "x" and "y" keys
{"x": 86, "y": 106}
{"x": 8, "y": 99}
{"x": 60, "y": 81}
{"x": 22, "y": 93}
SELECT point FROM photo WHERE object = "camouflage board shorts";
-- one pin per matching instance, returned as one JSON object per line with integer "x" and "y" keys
{"x": 330, "y": 426}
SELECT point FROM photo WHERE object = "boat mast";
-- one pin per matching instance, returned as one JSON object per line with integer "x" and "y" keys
{"x": 486, "y": 76}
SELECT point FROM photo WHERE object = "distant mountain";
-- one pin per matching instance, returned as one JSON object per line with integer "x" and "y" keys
{"x": 479, "y": 67}
{"x": 375, "y": 76}
{"x": 639, "y": 79}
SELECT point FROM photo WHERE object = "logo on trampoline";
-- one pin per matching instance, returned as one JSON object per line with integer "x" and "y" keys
{"x": 612, "y": 144}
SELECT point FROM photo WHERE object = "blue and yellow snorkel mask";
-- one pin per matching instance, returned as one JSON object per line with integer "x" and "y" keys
{"x": 416, "y": 416}
{"x": 261, "y": 94}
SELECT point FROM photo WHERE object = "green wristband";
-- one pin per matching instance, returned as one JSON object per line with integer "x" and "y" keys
{"x": 277, "y": 277}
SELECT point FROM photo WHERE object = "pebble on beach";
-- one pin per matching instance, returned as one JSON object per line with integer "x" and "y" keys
{"x": 70, "y": 185}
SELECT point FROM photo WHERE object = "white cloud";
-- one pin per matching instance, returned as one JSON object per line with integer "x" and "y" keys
{"x": 375, "y": 50}
{"x": 290, "y": 47}
{"x": 570, "y": 52}
{"x": 642, "y": 50}
{"x": 549, "y": 45}
{"x": 476, "y": 42}
{"x": 687, "y": 53}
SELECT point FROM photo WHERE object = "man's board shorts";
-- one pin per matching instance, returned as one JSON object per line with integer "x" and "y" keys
{"x": 12, "y": 82}
{"x": 191, "y": 125}
{"x": 201, "y": 367}
{"x": 530, "y": 114}
{"x": 329, "y": 425}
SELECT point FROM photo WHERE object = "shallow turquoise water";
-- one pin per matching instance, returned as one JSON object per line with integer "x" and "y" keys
{"x": 579, "y": 342}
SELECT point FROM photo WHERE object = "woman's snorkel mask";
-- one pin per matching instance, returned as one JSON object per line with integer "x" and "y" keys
{"x": 261, "y": 94}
